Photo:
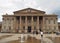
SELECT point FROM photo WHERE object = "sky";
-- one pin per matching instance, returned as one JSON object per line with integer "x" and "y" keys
{"x": 49, "y": 6}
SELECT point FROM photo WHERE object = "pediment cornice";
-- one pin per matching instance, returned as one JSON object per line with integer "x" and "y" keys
{"x": 28, "y": 10}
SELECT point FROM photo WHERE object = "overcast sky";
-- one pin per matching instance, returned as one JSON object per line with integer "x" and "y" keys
{"x": 49, "y": 6}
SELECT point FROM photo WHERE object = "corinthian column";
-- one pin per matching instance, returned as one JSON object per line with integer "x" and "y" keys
{"x": 43, "y": 24}
{"x": 20, "y": 25}
{"x": 26, "y": 24}
{"x": 38, "y": 23}
{"x": 32, "y": 24}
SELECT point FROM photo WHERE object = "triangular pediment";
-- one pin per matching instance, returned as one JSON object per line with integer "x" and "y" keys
{"x": 28, "y": 10}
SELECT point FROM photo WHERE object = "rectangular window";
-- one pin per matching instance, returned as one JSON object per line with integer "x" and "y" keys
{"x": 9, "y": 27}
{"x": 3, "y": 18}
{"x": 4, "y": 27}
{"x": 54, "y": 27}
{"x": 40, "y": 22}
{"x": 49, "y": 21}
{"x": 12, "y": 18}
{"x": 34, "y": 27}
{"x": 46, "y": 22}
{"x": 50, "y": 28}
{"x": 54, "y": 21}
{"x": 35, "y": 18}
{"x": 23, "y": 27}
{"x": 7, "y": 18}
{"x": 29, "y": 19}
{"x": 23, "y": 19}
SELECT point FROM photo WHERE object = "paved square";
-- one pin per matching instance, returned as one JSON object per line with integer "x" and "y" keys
{"x": 30, "y": 38}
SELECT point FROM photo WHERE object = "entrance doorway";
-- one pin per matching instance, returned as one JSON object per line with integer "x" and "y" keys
{"x": 29, "y": 29}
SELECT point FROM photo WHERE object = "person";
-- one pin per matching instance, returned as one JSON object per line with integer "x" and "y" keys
{"x": 41, "y": 34}
{"x": 36, "y": 32}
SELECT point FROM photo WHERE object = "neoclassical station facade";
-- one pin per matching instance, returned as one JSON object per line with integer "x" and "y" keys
{"x": 29, "y": 20}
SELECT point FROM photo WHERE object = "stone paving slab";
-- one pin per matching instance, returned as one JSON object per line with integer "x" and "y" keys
{"x": 16, "y": 37}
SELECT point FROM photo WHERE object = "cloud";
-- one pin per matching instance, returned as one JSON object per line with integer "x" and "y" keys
{"x": 58, "y": 19}
{"x": 46, "y": 5}
{"x": 5, "y": 3}
{"x": 50, "y": 6}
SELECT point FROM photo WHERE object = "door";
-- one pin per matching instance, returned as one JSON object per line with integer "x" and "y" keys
{"x": 29, "y": 29}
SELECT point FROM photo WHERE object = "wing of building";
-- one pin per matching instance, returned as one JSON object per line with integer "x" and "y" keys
{"x": 29, "y": 20}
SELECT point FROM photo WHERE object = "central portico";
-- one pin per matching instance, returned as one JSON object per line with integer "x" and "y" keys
{"x": 29, "y": 20}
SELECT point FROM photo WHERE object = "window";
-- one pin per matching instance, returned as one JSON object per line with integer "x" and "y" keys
{"x": 46, "y": 18}
{"x": 9, "y": 27}
{"x": 46, "y": 21}
{"x": 23, "y": 19}
{"x": 12, "y": 18}
{"x": 4, "y": 27}
{"x": 29, "y": 19}
{"x": 49, "y": 21}
{"x": 40, "y": 22}
{"x": 23, "y": 27}
{"x": 7, "y": 18}
{"x": 54, "y": 21}
{"x": 35, "y": 18}
{"x": 54, "y": 27}
{"x": 34, "y": 27}
{"x": 50, "y": 28}
{"x": 45, "y": 27}
{"x": 40, "y": 29}
{"x": 3, "y": 18}
{"x": 10, "y": 22}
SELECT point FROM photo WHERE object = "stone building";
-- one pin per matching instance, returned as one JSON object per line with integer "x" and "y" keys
{"x": 0, "y": 26}
{"x": 29, "y": 20}
{"x": 59, "y": 26}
